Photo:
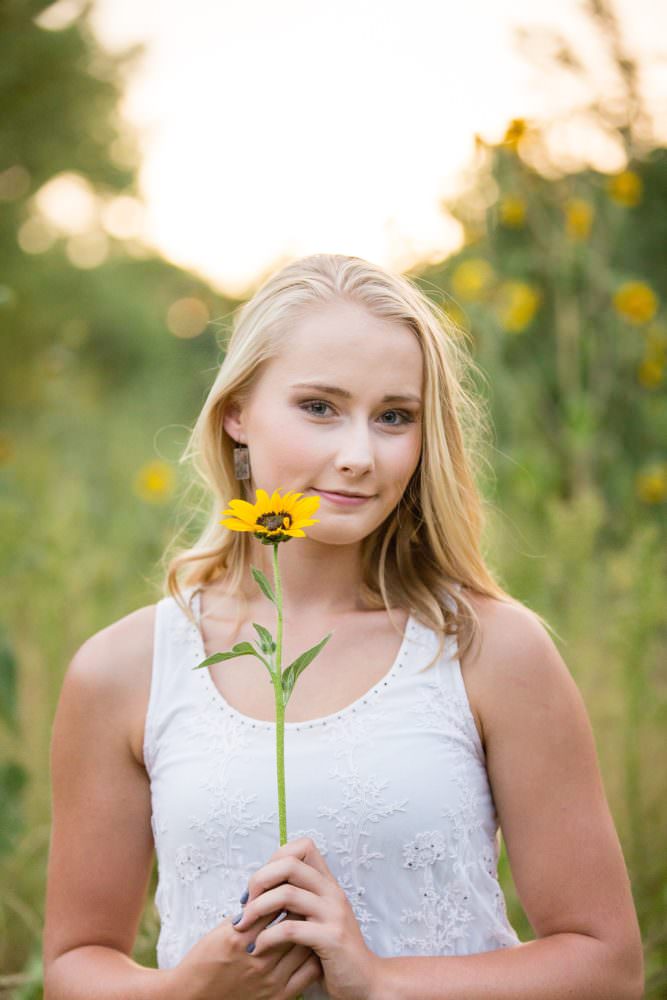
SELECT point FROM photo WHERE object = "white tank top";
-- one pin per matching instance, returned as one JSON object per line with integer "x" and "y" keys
{"x": 393, "y": 789}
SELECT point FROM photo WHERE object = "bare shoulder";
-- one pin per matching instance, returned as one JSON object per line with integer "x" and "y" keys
{"x": 115, "y": 665}
{"x": 512, "y": 649}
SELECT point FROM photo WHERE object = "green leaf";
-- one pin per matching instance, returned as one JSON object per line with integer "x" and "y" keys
{"x": 290, "y": 675}
{"x": 264, "y": 584}
{"x": 240, "y": 649}
{"x": 266, "y": 639}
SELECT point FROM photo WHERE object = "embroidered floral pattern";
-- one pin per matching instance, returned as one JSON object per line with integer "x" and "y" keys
{"x": 363, "y": 806}
{"x": 358, "y": 790}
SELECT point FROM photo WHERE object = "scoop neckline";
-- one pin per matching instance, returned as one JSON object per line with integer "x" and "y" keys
{"x": 356, "y": 706}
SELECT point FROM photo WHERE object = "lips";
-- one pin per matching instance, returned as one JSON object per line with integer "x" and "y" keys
{"x": 341, "y": 493}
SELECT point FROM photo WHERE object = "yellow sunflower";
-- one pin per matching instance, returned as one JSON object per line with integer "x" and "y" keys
{"x": 636, "y": 302}
{"x": 625, "y": 188}
{"x": 514, "y": 133}
{"x": 578, "y": 218}
{"x": 512, "y": 211}
{"x": 272, "y": 518}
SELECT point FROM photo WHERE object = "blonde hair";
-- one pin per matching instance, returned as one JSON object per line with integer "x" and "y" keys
{"x": 432, "y": 540}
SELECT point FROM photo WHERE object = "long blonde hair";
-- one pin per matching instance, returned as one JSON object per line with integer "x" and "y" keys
{"x": 430, "y": 547}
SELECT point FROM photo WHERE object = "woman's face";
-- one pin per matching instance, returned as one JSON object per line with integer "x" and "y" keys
{"x": 310, "y": 440}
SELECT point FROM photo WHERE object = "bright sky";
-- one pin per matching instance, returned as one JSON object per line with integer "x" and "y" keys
{"x": 271, "y": 130}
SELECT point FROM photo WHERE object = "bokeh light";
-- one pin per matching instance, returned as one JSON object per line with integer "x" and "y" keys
{"x": 187, "y": 318}
{"x": 87, "y": 250}
{"x": 69, "y": 202}
{"x": 123, "y": 217}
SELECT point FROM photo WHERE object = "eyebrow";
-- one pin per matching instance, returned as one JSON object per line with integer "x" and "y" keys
{"x": 333, "y": 390}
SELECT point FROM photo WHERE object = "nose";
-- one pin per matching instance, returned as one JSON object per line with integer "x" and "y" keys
{"x": 355, "y": 453}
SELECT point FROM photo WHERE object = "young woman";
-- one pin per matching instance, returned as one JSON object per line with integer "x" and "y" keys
{"x": 439, "y": 713}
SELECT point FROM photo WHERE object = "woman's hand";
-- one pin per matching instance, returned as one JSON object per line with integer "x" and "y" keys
{"x": 297, "y": 879}
{"x": 219, "y": 967}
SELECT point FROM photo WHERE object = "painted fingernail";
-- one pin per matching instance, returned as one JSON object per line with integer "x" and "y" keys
{"x": 237, "y": 918}
{"x": 276, "y": 920}
{"x": 251, "y": 947}
{"x": 245, "y": 897}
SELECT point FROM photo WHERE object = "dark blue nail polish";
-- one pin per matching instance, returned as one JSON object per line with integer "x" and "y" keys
{"x": 251, "y": 947}
{"x": 237, "y": 918}
{"x": 245, "y": 897}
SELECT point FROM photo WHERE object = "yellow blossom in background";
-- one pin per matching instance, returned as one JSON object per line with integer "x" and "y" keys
{"x": 636, "y": 302}
{"x": 272, "y": 518}
{"x": 154, "y": 482}
{"x": 578, "y": 218}
{"x": 650, "y": 372}
{"x": 651, "y": 484}
{"x": 472, "y": 278}
{"x": 517, "y": 304}
{"x": 625, "y": 188}
{"x": 515, "y": 131}
{"x": 512, "y": 211}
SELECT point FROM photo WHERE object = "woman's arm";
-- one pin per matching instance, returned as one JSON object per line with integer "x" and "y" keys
{"x": 564, "y": 853}
{"x": 101, "y": 845}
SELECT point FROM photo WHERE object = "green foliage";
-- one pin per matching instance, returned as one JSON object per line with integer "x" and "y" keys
{"x": 7, "y": 684}
{"x": 577, "y": 390}
{"x": 266, "y": 639}
{"x": 96, "y": 409}
{"x": 290, "y": 674}
{"x": 263, "y": 583}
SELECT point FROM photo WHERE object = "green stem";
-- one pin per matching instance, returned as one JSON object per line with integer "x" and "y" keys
{"x": 280, "y": 708}
{"x": 280, "y": 704}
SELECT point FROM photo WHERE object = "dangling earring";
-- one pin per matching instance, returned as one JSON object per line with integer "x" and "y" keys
{"x": 241, "y": 462}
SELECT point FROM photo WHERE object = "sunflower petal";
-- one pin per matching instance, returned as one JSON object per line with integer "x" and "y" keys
{"x": 306, "y": 507}
{"x": 290, "y": 501}
{"x": 235, "y": 525}
{"x": 263, "y": 504}
{"x": 241, "y": 508}
{"x": 276, "y": 501}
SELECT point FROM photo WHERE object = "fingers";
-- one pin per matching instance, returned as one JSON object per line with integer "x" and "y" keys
{"x": 248, "y": 934}
{"x": 310, "y": 933}
{"x": 304, "y": 849}
{"x": 286, "y": 869}
{"x": 283, "y": 897}
{"x": 289, "y": 960}
{"x": 304, "y": 976}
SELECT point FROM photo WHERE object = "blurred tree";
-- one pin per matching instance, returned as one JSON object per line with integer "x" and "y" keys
{"x": 59, "y": 93}
{"x": 77, "y": 287}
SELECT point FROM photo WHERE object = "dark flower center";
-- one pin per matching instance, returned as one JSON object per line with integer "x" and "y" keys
{"x": 274, "y": 522}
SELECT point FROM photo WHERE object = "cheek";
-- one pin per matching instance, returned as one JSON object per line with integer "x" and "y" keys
{"x": 299, "y": 444}
{"x": 405, "y": 462}
{"x": 404, "y": 455}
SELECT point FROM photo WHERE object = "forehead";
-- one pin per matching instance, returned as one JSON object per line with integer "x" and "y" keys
{"x": 342, "y": 343}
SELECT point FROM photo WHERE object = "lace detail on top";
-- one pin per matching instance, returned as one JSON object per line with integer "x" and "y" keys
{"x": 393, "y": 790}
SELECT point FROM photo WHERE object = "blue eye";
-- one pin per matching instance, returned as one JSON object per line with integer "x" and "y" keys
{"x": 407, "y": 418}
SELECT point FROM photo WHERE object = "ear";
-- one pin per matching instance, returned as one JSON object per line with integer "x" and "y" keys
{"x": 232, "y": 421}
